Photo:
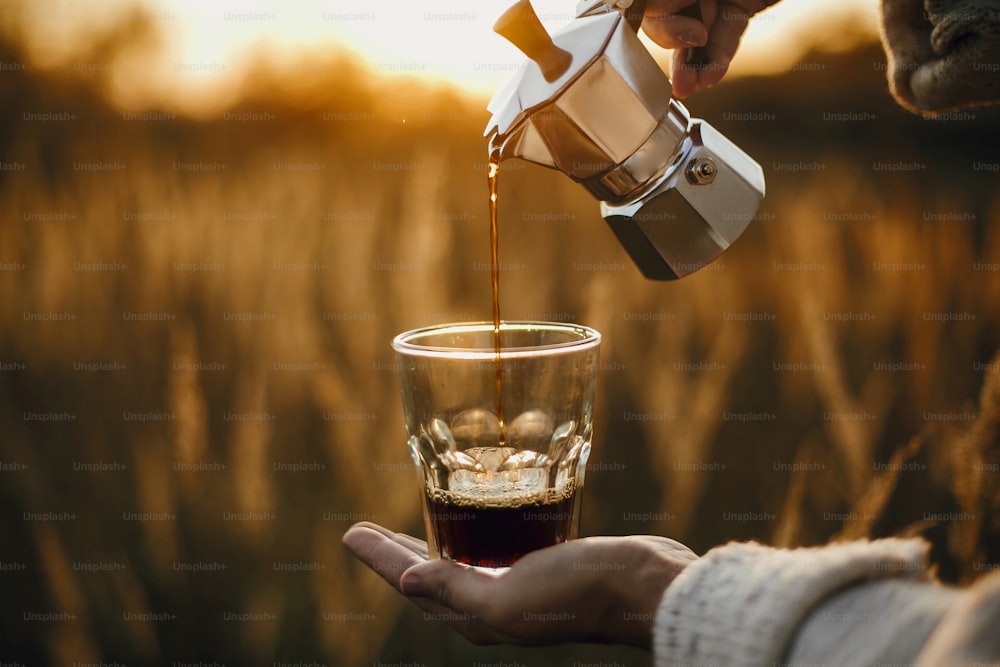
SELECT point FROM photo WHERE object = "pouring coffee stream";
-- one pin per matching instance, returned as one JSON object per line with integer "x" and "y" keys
{"x": 494, "y": 178}
{"x": 591, "y": 102}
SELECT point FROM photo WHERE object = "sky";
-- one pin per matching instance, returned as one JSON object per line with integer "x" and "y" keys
{"x": 452, "y": 40}
{"x": 456, "y": 38}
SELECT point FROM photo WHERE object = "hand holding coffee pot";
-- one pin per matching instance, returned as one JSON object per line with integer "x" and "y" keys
{"x": 592, "y": 103}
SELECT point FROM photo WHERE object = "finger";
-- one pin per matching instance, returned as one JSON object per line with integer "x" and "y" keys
{"x": 391, "y": 554}
{"x": 385, "y": 555}
{"x": 683, "y": 77}
{"x": 674, "y": 32}
{"x": 464, "y": 596}
{"x": 414, "y": 544}
{"x": 723, "y": 41}
{"x": 418, "y": 546}
{"x": 705, "y": 11}
{"x": 688, "y": 78}
{"x": 456, "y": 586}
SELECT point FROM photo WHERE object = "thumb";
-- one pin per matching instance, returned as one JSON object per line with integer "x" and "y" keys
{"x": 458, "y": 587}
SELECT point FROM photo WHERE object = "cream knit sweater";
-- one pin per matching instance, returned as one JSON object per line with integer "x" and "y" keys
{"x": 855, "y": 603}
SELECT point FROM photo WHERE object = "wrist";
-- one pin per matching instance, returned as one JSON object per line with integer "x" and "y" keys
{"x": 635, "y": 592}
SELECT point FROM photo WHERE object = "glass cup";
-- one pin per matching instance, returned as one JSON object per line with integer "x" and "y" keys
{"x": 500, "y": 437}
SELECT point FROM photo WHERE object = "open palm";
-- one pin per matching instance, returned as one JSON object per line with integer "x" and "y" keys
{"x": 594, "y": 589}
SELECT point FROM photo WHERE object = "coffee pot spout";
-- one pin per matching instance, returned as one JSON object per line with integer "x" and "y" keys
{"x": 522, "y": 143}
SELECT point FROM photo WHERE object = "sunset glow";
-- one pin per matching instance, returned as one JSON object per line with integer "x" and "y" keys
{"x": 204, "y": 48}
{"x": 444, "y": 39}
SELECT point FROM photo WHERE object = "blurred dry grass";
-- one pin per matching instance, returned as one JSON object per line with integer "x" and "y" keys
{"x": 382, "y": 228}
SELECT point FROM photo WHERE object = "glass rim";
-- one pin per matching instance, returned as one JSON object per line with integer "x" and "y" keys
{"x": 587, "y": 338}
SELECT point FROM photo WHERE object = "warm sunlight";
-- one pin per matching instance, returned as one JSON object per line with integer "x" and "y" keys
{"x": 441, "y": 38}
{"x": 218, "y": 215}
{"x": 204, "y": 44}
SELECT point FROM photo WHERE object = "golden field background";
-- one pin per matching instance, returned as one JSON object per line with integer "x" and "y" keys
{"x": 821, "y": 381}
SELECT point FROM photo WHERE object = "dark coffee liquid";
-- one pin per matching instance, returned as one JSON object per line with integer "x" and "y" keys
{"x": 492, "y": 533}
{"x": 494, "y": 176}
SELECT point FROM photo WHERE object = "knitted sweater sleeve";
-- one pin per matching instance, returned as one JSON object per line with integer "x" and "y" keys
{"x": 743, "y": 603}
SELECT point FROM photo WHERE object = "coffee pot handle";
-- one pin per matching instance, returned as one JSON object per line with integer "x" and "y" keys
{"x": 521, "y": 27}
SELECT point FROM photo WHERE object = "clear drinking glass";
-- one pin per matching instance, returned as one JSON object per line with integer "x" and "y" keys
{"x": 500, "y": 439}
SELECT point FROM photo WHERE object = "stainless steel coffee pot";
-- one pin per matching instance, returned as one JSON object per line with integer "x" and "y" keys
{"x": 593, "y": 103}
